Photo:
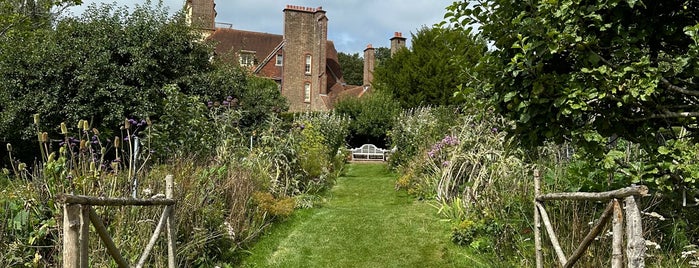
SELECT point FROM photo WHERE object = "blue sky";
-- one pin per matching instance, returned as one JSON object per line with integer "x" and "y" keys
{"x": 352, "y": 23}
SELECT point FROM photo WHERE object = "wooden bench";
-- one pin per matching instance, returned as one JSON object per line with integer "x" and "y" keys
{"x": 368, "y": 152}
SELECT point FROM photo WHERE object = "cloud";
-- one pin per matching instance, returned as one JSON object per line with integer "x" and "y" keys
{"x": 352, "y": 23}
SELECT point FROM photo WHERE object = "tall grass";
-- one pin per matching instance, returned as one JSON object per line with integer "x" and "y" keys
{"x": 481, "y": 181}
{"x": 225, "y": 200}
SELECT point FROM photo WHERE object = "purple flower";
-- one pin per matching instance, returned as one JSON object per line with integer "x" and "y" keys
{"x": 302, "y": 126}
{"x": 209, "y": 104}
{"x": 226, "y": 103}
{"x": 229, "y": 98}
{"x": 430, "y": 153}
{"x": 445, "y": 163}
{"x": 494, "y": 130}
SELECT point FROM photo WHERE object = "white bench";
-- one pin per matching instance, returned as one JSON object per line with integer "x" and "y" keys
{"x": 369, "y": 152}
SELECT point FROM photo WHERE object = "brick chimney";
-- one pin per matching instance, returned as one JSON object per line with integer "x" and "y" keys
{"x": 397, "y": 42}
{"x": 201, "y": 14}
{"x": 305, "y": 60}
{"x": 369, "y": 60}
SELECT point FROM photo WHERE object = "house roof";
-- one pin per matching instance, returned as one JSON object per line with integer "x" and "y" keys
{"x": 230, "y": 41}
{"x": 233, "y": 40}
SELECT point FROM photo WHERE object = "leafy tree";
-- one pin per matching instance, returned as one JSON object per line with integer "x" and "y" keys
{"x": 30, "y": 14}
{"x": 371, "y": 117}
{"x": 596, "y": 72}
{"x": 425, "y": 75}
{"x": 381, "y": 54}
{"x": 352, "y": 68}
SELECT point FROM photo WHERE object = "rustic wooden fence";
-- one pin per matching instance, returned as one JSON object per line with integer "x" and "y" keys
{"x": 635, "y": 244}
{"x": 78, "y": 213}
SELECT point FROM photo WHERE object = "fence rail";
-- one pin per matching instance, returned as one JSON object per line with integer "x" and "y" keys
{"x": 78, "y": 214}
{"x": 635, "y": 244}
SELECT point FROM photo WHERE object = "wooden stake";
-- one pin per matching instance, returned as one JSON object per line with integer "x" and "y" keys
{"x": 594, "y": 232}
{"x": 171, "y": 235}
{"x": 154, "y": 237}
{"x": 71, "y": 236}
{"x": 602, "y": 196}
{"x": 84, "y": 235}
{"x": 552, "y": 234}
{"x": 105, "y": 201}
{"x": 618, "y": 236}
{"x": 107, "y": 240}
{"x": 635, "y": 244}
{"x": 537, "y": 222}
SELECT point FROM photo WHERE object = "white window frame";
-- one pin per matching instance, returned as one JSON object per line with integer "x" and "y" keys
{"x": 307, "y": 92}
{"x": 309, "y": 60}
{"x": 246, "y": 58}
{"x": 280, "y": 60}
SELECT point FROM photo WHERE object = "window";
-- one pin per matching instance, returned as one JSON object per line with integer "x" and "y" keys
{"x": 280, "y": 60}
{"x": 308, "y": 64}
{"x": 307, "y": 92}
{"x": 247, "y": 58}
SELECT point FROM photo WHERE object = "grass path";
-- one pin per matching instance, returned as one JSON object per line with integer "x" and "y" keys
{"x": 364, "y": 223}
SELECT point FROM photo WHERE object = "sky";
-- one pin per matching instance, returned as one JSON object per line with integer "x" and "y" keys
{"x": 352, "y": 23}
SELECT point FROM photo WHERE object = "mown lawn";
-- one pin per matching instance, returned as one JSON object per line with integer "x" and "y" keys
{"x": 364, "y": 223}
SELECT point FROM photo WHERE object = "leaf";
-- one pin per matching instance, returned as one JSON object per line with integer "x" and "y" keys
{"x": 663, "y": 150}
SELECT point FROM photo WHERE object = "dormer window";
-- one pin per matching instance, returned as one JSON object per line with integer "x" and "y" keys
{"x": 280, "y": 60}
{"x": 308, "y": 64}
{"x": 247, "y": 58}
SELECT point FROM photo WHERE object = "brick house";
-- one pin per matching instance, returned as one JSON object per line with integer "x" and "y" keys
{"x": 302, "y": 61}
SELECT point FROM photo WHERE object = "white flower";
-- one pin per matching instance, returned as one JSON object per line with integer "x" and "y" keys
{"x": 686, "y": 254}
{"x": 652, "y": 244}
{"x": 147, "y": 191}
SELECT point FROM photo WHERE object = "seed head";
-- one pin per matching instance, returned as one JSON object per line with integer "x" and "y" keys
{"x": 127, "y": 124}
{"x": 45, "y": 137}
{"x": 36, "y": 119}
{"x": 9, "y": 147}
{"x": 116, "y": 142}
{"x": 64, "y": 128}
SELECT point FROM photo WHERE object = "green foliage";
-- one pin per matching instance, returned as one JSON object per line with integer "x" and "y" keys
{"x": 109, "y": 63}
{"x": 424, "y": 75}
{"x": 371, "y": 116}
{"x": 417, "y": 129}
{"x": 183, "y": 129}
{"x": 594, "y": 73}
{"x": 352, "y": 68}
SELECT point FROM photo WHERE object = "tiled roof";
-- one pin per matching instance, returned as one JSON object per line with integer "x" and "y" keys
{"x": 233, "y": 40}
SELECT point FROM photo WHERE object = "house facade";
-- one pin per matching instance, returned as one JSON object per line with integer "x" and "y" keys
{"x": 302, "y": 60}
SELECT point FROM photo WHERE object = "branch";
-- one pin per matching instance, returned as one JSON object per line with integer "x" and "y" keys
{"x": 667, "y": 115}
{"x": 678, "y": 89}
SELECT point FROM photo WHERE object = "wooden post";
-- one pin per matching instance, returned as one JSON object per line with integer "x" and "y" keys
{"x": 84, "y": 235}
{"x": 635, "y": 244}
{"x": 171, "y": 236}
{"x": 106, "y": 239}
{"x": 594, "y": 232}
{"x": 537, "y": 222}
{"x": 552, "y": 234}
{"x": 617, "y": 236}
{"x": 72, "y": 226}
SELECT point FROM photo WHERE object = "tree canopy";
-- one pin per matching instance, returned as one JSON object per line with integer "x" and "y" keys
{"x": 112, "y": 63}
{"x": 352, "y": 68}
{"x": 595, "y": 72}
{"x": 426, "y": 74}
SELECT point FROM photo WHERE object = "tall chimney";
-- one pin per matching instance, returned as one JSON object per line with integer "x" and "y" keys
{"x": 369, "y": 60}
{"x": 397, "y": 42}
{"x": 201, "y": 14}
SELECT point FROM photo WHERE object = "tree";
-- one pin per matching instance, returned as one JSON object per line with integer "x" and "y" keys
{"x": 381, "y": 54}
{"x": 425, "y": 75}
{"x": 30, "y": 14}
{"x": 597, "y": 72}
{"x": 110, "y": 64}
{"x": 352, "y": 68}
{"x": 371, "y": 117}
